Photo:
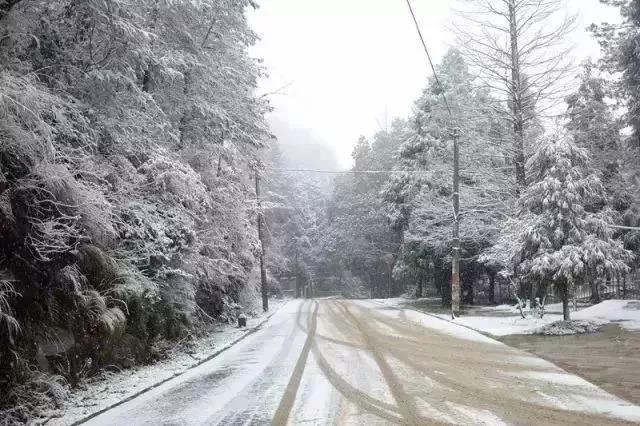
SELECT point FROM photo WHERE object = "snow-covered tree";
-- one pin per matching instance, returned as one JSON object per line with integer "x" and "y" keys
{"x": 518, "y": 49}
{"x": 591, "y": 121}
{"x": 418, "y": 196}
{"x": 621, "y": 64}
{"x": 358, "y": 238}
{"x": 127, "y": 135}
{"x": 565, "y": 240}
{"x": 618, "y": 43}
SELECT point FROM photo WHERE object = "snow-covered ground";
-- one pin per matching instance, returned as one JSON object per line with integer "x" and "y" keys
{"x": 107, "y": 389}
{"x": 503, "y": 325}
{"x": 362, "y": 363}
{"x": 505, "y": 319}
{"x": 624, "y": 312}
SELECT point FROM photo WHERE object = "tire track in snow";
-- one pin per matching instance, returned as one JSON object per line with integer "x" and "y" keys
{"x": 460, "y": 389}
{"x": 284, "y": 408}
{"x": 238, "y": 410}
{"x": 351, "y": 393}
{"x": 405, "y": 403}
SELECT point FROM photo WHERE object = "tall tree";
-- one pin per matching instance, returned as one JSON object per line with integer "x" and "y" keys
{"x": 517, "y": 49}
{"x": 620, "y": 54}
{"x": 564, "y": 239}
{"x": 594, "y": 126}
{"x": 621, "y": 58}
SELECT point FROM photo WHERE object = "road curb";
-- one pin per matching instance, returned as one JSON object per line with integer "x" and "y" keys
{"x": 248, "y": 332}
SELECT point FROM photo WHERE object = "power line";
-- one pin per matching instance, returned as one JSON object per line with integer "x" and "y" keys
{"x": 347, "y": 171}
{"x": 628, "y": 228}
{"x": 426, "y": 50}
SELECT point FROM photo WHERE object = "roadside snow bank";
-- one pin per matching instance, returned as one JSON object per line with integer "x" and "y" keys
{"x": 626, "y": 312}
{"x": 565, "y": 328}
{"x": 504, "y": 320}
{"x": 502, "y": 326}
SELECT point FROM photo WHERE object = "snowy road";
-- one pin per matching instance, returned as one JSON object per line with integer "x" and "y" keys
{"x": 346, "y": 362}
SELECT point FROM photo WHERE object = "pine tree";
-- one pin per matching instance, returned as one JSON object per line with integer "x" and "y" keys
{"x": 591, "y": 121}
{"x": 621, "y": 58}
{"x": 564, "y": 240}
{"x": 620, "y": 54}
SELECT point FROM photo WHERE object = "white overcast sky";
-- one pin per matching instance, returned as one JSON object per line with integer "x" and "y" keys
{"x": 349, "y": 65}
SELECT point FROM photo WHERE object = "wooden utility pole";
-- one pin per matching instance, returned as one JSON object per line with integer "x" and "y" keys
{"x": 264, "y": 286}
{"x": 298, "y": 286}
{"x": 455, "y": 258}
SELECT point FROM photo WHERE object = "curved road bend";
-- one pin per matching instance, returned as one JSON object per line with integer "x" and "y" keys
{"x": 347, "y": 362}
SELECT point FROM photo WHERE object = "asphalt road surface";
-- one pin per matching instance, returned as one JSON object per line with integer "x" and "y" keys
{"x": 346, "y": 362}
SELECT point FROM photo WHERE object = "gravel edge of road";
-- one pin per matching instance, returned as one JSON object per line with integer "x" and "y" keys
{"x": 248, "y": 332}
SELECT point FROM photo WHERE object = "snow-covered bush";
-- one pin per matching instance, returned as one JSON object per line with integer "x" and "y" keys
{"x": 177, "y": 183}
{"x": 565, "y": 328}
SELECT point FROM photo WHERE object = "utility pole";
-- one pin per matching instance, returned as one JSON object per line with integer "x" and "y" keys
{"x": 264, "y": 286}
{"x": 298, "y": 286}
{"x": 455, "y": 259}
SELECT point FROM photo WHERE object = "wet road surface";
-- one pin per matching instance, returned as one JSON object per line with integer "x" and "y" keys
{"x": 358, "y": 362}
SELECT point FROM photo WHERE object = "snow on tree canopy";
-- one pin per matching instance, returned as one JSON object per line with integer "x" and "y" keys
{"x": 566, "y": 237}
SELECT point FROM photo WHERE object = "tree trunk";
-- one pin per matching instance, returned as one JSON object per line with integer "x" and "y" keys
{"x": 298, "y": 284}
{"x": 146, "y": 77}
{"x": 184, "y": 120}
{"x": 525, "y": 291}
{"x": 4, "y": 184}
{"x": 419, "y": 289}
{"x": 566, "y": 312}
{"x": 595, "y": 291}
{"x": 219, "y": 168}
{"x": 532, "y": 293}
{"x": 492, "y": 288}
{"x": 516, "y": 101}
